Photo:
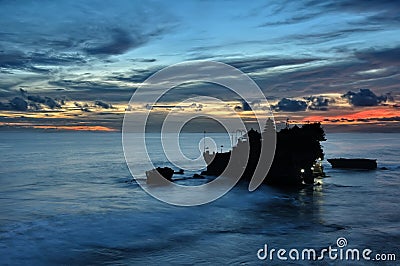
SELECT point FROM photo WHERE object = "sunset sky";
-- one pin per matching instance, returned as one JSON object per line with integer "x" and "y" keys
{"x": 75, "y": 64}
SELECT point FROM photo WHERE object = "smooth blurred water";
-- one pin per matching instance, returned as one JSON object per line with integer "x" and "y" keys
{"x": 68, "y": 198}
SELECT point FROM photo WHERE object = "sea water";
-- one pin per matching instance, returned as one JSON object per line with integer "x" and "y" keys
{"x": 69, "y": 198}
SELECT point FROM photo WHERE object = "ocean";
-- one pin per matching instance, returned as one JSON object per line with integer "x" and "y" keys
{"x": 68, "y": 198}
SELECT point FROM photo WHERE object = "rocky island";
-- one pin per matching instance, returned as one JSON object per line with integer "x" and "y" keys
{"x": 297, "y": 160}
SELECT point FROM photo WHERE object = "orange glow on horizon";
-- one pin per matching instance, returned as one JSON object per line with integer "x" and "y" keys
{"x": 366, "y": 114}
{"x": 55, "y": 127}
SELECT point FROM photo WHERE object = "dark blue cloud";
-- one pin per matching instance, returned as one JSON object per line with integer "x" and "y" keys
{"x": 249, "y": 65}
{"x": 19, "y": 104}
{"x": 31, "y": 102}
{"x": 89, "y": 90}
{"x": 378, "y": 12}
{"x": 83, "y": 107}
{"x": 15, "y": 104}
{"x": 364, "y": 97}
{"x": 18, "y": 60}
{"x": 327, "y": 36}
{"x": 289, "y": 105}
{"x": 135, "y": 76}
{"x": 36, "y": 35}
{"x": 375, "y": 12}
{"x": 244, "y": 107}
{"x": 121, "y": 41}
{"x": 103, "y": 104}
{"x": 50, "y": 102}
{"x": 320, "y": 103}
{"x": 380, "y": 57}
